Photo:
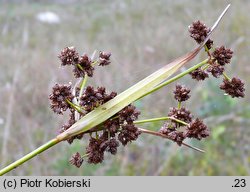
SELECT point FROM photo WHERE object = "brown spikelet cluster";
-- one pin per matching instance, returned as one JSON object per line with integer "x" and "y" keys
{"x": 79, "y": 101}
{"x": 181, "y": 93}
{"x": 83, "y": 67}
{"x": 222, "y": 55}
{"x": 199, "y": 74}
{"x": 197, "y": 129}
{"x": 216, "y": 70}
{"x": 181, "y": 124}
{"x": 92, "y": 98}
{"x": 59, "y": 97}
{"x": 68, "y": 56}
{"x": 198, "y": 31}
{"x": 218, "y": 59}
{"x": 104, "y": 58}
{"x": 234, "y": 87}
{"x": 76, "y": 160}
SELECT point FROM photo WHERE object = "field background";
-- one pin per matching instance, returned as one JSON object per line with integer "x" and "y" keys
{"x": 142, "y": 36}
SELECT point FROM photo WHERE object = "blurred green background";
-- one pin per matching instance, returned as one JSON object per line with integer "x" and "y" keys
{"x": 142, "y": 36}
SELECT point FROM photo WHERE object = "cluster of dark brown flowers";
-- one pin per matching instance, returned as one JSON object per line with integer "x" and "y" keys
{"x": 218, "y": 59}
{"x": 107, "y": 136}
{"x": 83, "y": 65}
{"x": 181, "y": 124}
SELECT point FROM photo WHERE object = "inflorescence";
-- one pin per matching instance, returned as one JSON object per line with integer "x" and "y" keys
{"x": 218, "y": 59}
{"x": 181, "y": 124}
{"x": 105, "y": 137}
{"x": 121, "y": 128}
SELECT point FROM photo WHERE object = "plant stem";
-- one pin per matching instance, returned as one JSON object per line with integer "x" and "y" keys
{"x": 151, "y": 120}
{"x": 94, "y": 63}
{"x": 83, "y": 83}
{"x": 175, "y": 78}
{"x": 165, "y": 136}
{"x": 80, "y": 67}
{"x": 76, "y": 107}
{"x": 160, "y": 119}
{"x": 29, "y": 156}
{"x": 179, "y": 105}
{"x": 226, "y": 77}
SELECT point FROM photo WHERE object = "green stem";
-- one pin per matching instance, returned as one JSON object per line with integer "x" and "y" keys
{"x": 151, "y": 120}
{"x": 205, "y": 67}
{"x": 179, "y": 105}
{"x": 160, "y": 119}
{"x": 27, "y": 157}
{"x": 80, "y": 67}
{"x": 94, "y": 63}
{"x": 76, "y": 107}
{"x": 175, "y": 78}
{"x": 85, "y": 155}
{"x": 83, "y": 83}
{"x": 178, "y": 121}
{"x": 226, "y": 77}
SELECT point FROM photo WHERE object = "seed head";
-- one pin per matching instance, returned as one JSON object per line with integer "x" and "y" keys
{"x": 181, "y": 93}
{"x": 128, "y": 133}
{"x": 76, "y": 160}
{"x": 182, "y": 114}
{"x": 84, "y": 66}
{"x": 68, "y": 56}
{"x": 110, "y": 146}
{"x": 177, "y": 136}
{"x": 58, "y": 97}
{"x": 94, "y": 151}
{"x": 222, "y": 55}
{"x": 216, "y": 70}
{"x": 199, "y": 74}
{"x": 128, "y": 114}
{"x": 235, "y": 87}
{"x": 92, "y": 98}
{"x": 197, "y": 129}
{"x": 198, "y": 31}
{"x": 104, "y": 58}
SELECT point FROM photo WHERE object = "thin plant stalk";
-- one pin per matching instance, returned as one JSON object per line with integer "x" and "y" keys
{"x": 27, "y": 157}
{"x": 165, "y": 136}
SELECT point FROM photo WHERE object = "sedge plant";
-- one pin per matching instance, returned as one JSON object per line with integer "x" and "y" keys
{"x": 110, "y": 119}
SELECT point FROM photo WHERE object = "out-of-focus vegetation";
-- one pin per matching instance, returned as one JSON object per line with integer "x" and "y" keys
{"x": 142, "y": 36}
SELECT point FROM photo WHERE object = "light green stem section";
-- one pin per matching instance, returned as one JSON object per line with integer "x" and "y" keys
{"x": 176, "y": 77}
{"x": 27, "y": 157}
{"x": 160, "y": 119}
{"x": 151, "y": 120}
{"x": 226, "y": 77}
{"x": 76, "y": 107}
{"x": 179, "y": 105}
{"x": 83, "y": 83}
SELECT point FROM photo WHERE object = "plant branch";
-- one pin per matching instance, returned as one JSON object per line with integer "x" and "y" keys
{"x": 175, "y": 78}
{"x": 165, "y": 136}
{"x": 27, "y": 157}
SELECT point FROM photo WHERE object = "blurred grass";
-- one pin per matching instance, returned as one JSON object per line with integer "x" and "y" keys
{"x": 142, "y": 37}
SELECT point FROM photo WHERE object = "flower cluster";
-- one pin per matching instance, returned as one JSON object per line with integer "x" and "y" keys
{"x": 199, "y": 31}
{"x": 60, "y": 97}
{"x": 92, "y": 98}
{"x": 220, "y": 57}
{"x": 121, "y": 129}
{"x": 79, "y": 101}
{"x": 181, "y": 124}
{"x": 82, "y": 65}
